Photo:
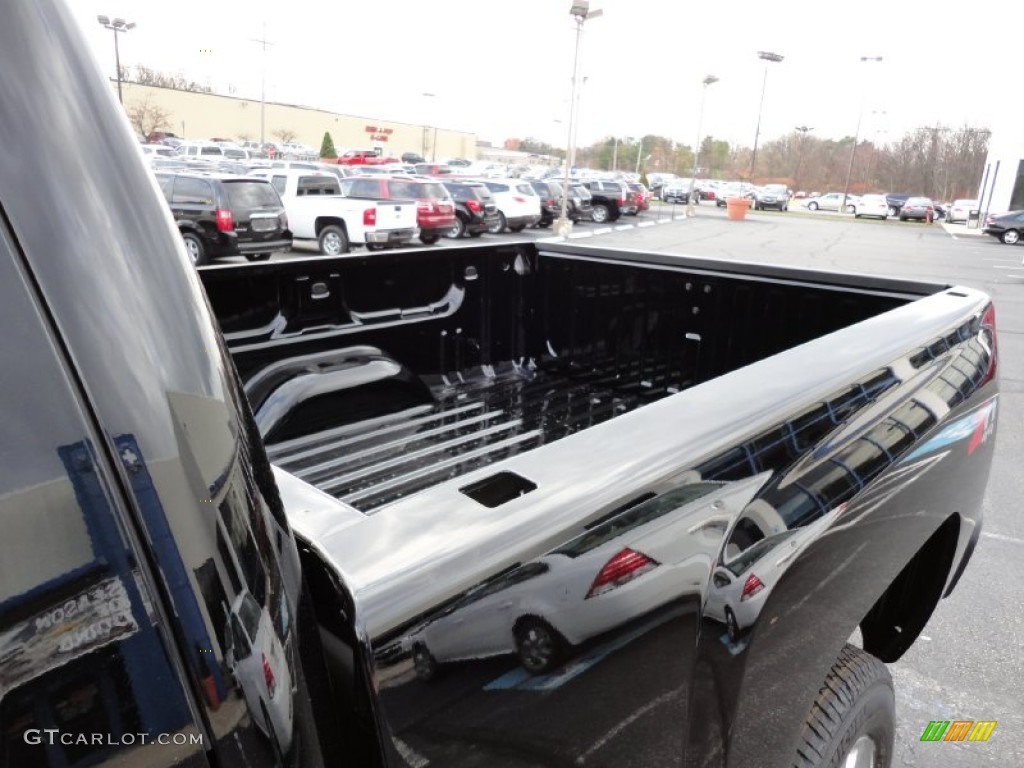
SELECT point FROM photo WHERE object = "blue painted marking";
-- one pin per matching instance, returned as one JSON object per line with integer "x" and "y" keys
{"x": 734, "y": 648}
{"x": 520, "y": 679}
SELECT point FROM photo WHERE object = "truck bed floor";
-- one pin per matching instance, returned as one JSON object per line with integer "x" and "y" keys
{"x": 477, "y": 419}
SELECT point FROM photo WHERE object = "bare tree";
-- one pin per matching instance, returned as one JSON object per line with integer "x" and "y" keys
{"x": 284, "y": 135}
{"x": 147, "y": 117}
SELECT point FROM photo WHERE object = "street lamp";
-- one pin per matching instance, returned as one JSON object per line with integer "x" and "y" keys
{"x": 433, "y": 144}
{"x": 580, "y": 11}
{"x": 263, "y": 84}
{"x": 117, "y": 26}
{"x": 856, "y": 136}
{"x": 768, "y": 58}
{"x": 709, "y": 80}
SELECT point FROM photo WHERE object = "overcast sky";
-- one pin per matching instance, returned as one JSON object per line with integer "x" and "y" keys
{"x": 504, "y": 69}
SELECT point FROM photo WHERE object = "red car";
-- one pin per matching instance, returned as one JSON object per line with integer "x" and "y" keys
{"x": 364, "y": 157}
{"x": 643, "y": 196}
{"x": 435, "y": 209}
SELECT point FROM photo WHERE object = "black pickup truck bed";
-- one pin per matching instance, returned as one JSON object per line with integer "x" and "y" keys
{"x": 627, "y": 335}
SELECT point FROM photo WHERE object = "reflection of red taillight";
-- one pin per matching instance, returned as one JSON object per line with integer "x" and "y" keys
{"x": 623, "y": 568}
{"x": 474, "y": 206}
{"x": 752, "y": 586}
{"x": 268, "y": 676}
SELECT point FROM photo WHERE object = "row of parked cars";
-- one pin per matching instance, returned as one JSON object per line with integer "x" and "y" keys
{"x": 225, "y": 207}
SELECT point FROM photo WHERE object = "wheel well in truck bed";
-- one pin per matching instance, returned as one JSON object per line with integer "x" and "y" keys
{"x": 897, "y": 618}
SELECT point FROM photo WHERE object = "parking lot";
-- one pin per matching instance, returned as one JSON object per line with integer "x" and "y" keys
{"x": 969, "y": 663}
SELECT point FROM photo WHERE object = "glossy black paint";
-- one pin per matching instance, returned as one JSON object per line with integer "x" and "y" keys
{"x": 143, "y": 533}
{"x": 819, "y": 441}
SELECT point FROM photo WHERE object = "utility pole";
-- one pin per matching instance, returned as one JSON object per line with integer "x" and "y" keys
{"x": 768, "y": 57}
{"x": 263, "y": 84}
{"x": 856, "y": 137}
{"x": 709, "y": 80}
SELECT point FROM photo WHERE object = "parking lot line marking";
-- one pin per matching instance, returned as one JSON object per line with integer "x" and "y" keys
{"x": 551, "y": 240}
{"x": 522, "y": 680}
{"x": 602, "y": 231}
{"x": 1001, "y": 537}
{"x": 999, "y": 258}
{"x": 1006, "y": 266}
{"x": 628, "y": 721}
{"x": 624, "y": 226}
{"x": 410, "y": 755}
{"x": 647, "y": 223}
{"x": 578, "y": 235}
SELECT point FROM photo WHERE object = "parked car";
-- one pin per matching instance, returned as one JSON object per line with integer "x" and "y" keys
{"x": 677, "y": 191}
{"x": 1007, "y": 227}
{"x": 194, "y": 149}
{"x": 734, "y": 189}
{"x": 433, "y": 169}
{"x": 550, "y": 193}
{"x": 772, "y": 196}
{"x": 960, "y": 210}
{"x": 364, "y": 157}
{"x": 643, "y": 196}
{"x": 609, "y": 199}
{"x": 917, "y": 208}
{"x": 518, "y": 205}
{"x": 896, "y": 201}
{"x": 872, "y": 205}
{"x": 832, "y": 201}
{"x": 226, "y": 215}
{"x": 435, "y": 209}
{"x": 157, "y": 150}
{"x": 475, "y": 209}
{"x": 413, "y": 157}
{"x": 581, "y": 202}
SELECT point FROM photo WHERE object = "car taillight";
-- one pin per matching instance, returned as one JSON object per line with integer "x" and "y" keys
{"x": 752, "y": 586}
{"x": 551, "y": 202}
{"x": 268, "y": 676}
{"x": 370, "y": 217}
{"x": 474, "y": 206}
{"x": 621, "y": 569}
{"x": 519, "y": 199}
{"x": 225, "y": 223}
{"x": 622, "y": 200}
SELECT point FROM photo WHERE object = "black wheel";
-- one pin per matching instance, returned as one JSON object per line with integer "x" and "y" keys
{"x": 1010, "y": 237}
{"x": 812, "y": 206}
{"x": 458, "y": 229}
{"x": 374, "y": 247}
{"x": 538, "y": 645}
{"x": 333, "y": 241}
{"x": 429, "y": 239}
{"x": 257, "y": 256}
{"x": 499, "y": 225}
{"x": 852, "y": 722}
{"x": 903, "y": 218}
{"x": 892, "y": 210}
{"x": 599, "y": 214}
{"x": 852, "y": 209}
{"x": 475, "y": 234}
{"x": 195, "y": 248}
{"x": 517, "y": 228}
{"x": 731, "y": 625}
{"x": 424, "y": 663}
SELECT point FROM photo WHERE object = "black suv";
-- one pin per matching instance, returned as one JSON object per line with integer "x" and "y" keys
{"x": 581, "y": 205}
{"x": 550, "y": 193}
{"x": 475, "y": 209}
{"x": 610, "y": 199}
{"x": 226, "y": 215}
{"x": 895, "y": 201}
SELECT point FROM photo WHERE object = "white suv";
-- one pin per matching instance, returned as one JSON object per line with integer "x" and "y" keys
{"x": 518, "y": 204}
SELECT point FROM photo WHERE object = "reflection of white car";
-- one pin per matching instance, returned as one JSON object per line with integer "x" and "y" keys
{"x": 259, "y": 663}
{"x": 622, "y": 568}
{"x": 518, "y": 205}
{"x": 960, "y": 210}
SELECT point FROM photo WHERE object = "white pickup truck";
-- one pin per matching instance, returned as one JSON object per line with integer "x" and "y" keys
{"x": 318, "y": 211}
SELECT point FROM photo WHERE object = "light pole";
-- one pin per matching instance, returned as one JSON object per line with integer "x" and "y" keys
{"x": 580, "y": 11}
{"x": 803, "y": 130}
{"x": 117, "y": 26}
{"x": 768, "y": 58}
{"x": 263, "y": 85}
{"x": 433, "y": 143}
{"x": 709, "y": 80}
{"x": 856, "y": 136}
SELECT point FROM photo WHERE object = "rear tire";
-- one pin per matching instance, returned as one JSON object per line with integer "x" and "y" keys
{"x": 429, "y": 239}
{"x": 599, "y": 214}
{"x": 333, "y": 241}
{"x": 517, "y": 228}
{"x": 812, "y": 206}
{"x": 854, "y": 716}
{"x": 499, "y": 225}
{"x": 458, "y": 229}
{"x": 257, "y": 256}
{"x": 195, "y": 248}
{"x": 424, "y": 663}
{"x": 538, "y": 645}
{"x": 1010, "y": 237}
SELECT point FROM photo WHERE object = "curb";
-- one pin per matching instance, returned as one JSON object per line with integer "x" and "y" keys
{"x": 608, "y": 230}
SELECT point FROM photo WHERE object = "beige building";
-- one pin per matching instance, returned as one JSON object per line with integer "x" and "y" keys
{"x": 206, "y": 115}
